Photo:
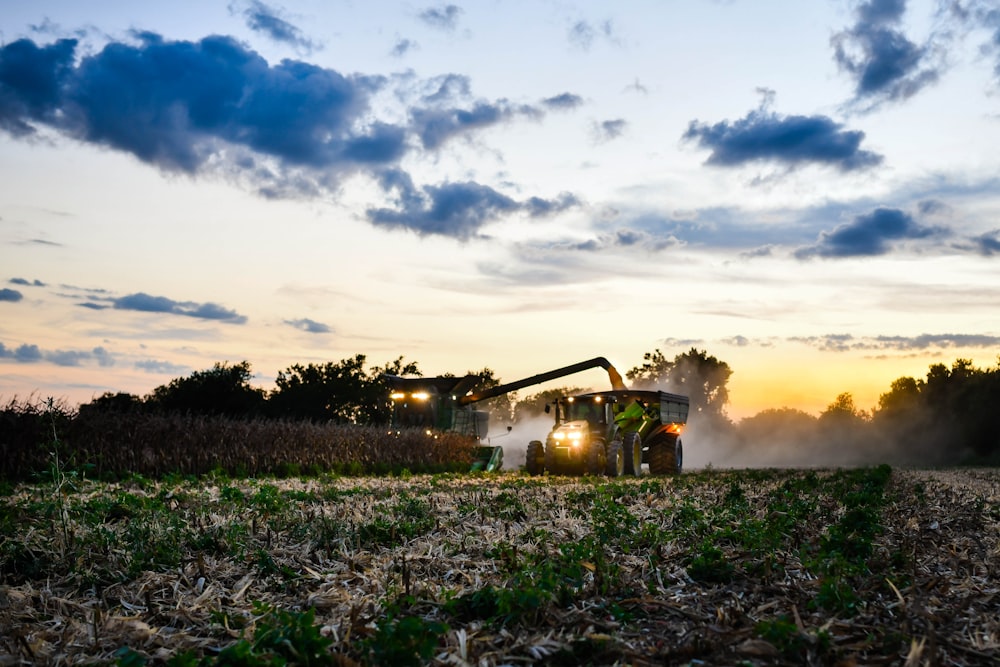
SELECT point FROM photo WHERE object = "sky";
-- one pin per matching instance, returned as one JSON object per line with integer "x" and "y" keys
{"x": 809, "y": 192}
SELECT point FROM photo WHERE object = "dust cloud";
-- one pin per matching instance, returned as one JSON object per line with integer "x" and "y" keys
{"x": 515, "y": 443}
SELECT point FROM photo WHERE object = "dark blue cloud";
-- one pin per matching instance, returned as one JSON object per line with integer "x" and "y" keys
{"x": 763, "y": 136}
{"x": 177, "y": 104}
{"x": 987, "y": 244}
{"x": 435, "y": 126}
{"x": 27, "y": 283}
{"x": 309, "y": 326}
{"x": 7, "y": 294}
{"x": 147, "y": 303}
{"x": 291, "y": 129}
{"x": 31, "y": 82}
{"x": 444, "y": 17}
{"x": 885, "y": 65}
{"x": 563, "y": 101}
{"x": 868, "y": 235}
{"x": 453, "y": 209}
{"x": 25, "y": 353}
{"x": 265, "y": 20}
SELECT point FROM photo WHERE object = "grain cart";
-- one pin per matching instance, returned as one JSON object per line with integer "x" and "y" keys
{"x": 444, "y": 403}
{"x": 612, "y": 433}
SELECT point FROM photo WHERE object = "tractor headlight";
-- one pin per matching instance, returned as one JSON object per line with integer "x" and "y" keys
{"x": 558, "y": 435}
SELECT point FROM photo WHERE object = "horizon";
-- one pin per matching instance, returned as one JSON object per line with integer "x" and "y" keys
{"x": 809, "y": 194}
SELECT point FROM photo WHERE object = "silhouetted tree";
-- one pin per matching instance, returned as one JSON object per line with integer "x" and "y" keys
{"x": 340, "y": 391}
{"x": 700, "y": 377}
{"x": 222, "y": 390}
{"x": 113, "y": 403}
{"x": 534, "y": 405}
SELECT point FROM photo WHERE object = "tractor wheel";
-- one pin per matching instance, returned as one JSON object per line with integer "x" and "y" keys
{"x": 633, "y": 454}
{"x": 550, "y": 460}
{"x": 664, "y": 455}
{"x": 534, "y": 460}
{"x": 596, "y": 458}
{"x": 615, "y": 465}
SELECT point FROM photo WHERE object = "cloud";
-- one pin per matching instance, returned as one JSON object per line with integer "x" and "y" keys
{"x": 538, "y": 207}
{"x": 885, "y": 65}
{"x": 435, "y": 126}
{"x": 31, "y": 83}
{"x": 309, "y": 326}
{"x": 402, "y": 47}
{"x": 991, "y": 19}
{"x": 582, "y": 34}
{"x": 458, "y": 210}
{"x": 444, "y": 17}
{"x": 563, "y": 101}
{"x": 636, "y": 87}
{"x": 161, "y": 367}
{"x": 147, "y": 303}
{"x": 635, "y": 239}
{"x": 103, "y": 357}
{"x": 265, "y": 20}
{"x": 27, "y": 283}
{"x": 869, "y": 234}
{"x": 7, "y": 294}
{"x": 847, "y": 342}
{"x": 608, "y": 129}
{"x": 214, "y": 106}
{"x": 764, "y": 136}
{"x": 179, "y": 105}
{"x": 30, "y": 354}
{"x": 987, "y": 244}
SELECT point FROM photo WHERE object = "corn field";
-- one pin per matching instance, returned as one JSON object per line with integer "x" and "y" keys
{"x": 109, "y": 445}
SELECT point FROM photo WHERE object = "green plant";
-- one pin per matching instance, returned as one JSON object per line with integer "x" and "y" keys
{"x": 710, "y": 565}
{"x": 404, "y": 640}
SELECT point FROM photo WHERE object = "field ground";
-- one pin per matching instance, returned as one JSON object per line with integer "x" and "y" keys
{"x": 754, "y": 567}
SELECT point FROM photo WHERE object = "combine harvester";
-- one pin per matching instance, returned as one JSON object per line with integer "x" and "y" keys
{"x": 645, "y": 424}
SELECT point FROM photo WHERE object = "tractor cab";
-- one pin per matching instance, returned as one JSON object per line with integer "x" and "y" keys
{"x": 583, "y": 425}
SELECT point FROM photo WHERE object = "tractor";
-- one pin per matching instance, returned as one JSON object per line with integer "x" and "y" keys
{"x": 444, "y": 403}
{"x": 612, "y": 433}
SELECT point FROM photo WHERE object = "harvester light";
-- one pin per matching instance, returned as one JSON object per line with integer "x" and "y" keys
{"x": 397, "y": 395}
{"x": 420, "y": 395}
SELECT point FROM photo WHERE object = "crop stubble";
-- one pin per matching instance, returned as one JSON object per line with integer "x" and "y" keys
{"x": 760, "y": 567}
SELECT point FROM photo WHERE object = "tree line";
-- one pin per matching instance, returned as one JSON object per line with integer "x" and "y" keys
{"x": 949, "y": 416}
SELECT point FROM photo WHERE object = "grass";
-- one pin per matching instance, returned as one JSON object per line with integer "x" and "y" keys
{"x": 398, "y": 570}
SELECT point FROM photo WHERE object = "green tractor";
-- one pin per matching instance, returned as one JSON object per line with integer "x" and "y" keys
{"x": 612, "y": 433}
{"x": 444, "y": 403}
